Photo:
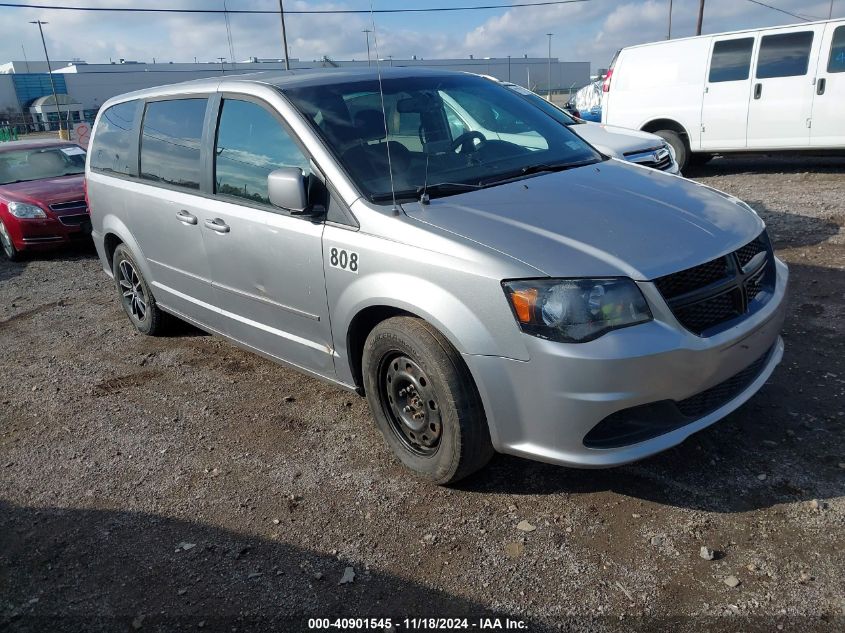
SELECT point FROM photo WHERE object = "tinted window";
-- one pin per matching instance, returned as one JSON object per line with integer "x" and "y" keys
{"x": 784, "y": 55}
{"x": 731, "y": 60}
{"x": 114, "y": 139}
{"x": 836, "y": 63}
{"x": 170, "y": 142}
{"x": 251, "y": 143}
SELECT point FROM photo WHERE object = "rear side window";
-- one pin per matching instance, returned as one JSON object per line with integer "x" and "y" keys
{"x": 784, "y": 55}
{"x": 170, "y": 142}
{"x": 114, "y": 139}
{"x": 836, "y": 63}
{"x": 731, "y": 60}
{"x": 251, "y": 143}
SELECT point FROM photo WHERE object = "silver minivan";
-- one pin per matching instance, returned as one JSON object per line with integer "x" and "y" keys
{"x": 529, "y": 296}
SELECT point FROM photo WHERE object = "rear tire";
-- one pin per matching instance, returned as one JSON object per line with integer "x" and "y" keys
{"x": 135, "y": 295}
{"x": 678, "y": 143}
{"x": 6, "y": 245}
{"x": 424, "y": 401}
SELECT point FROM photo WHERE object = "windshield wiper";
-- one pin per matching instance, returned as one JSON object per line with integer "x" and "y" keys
{"x": 432, "y": 191}
{"x": 535, "y": 169}
{"x": 443, "y": 189}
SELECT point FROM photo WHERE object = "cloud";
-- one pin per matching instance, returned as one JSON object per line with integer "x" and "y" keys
{"x": 588, "y": 31}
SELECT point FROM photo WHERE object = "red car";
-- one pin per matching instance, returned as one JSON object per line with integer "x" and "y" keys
{"x": 42, "y": 196}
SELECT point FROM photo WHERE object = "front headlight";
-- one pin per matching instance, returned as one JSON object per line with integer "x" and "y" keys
{"x": 575, "y": 310}
{"x": 22, "y": 210}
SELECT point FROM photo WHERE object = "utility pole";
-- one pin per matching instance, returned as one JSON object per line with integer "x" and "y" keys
{"x": 50, "y": 72}
{"x": 222, "y": 68}
{"x": 700, "y": 17}
{"x": 669, "y": 37}
{"x": 284, "y": 35}
{"x": 550, "y": 64}
{"x": 367, "y": 32}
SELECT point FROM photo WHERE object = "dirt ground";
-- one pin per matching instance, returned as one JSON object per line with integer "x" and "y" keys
{"x": 180, "y": 484}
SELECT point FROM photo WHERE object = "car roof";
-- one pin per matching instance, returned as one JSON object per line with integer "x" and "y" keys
{"x": 35, "y": 144}
{"x": 284, "y": 79}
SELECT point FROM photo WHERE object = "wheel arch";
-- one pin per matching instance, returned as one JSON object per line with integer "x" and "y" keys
{"x": 115, "y": 233}
{"x": 656, "y": 125}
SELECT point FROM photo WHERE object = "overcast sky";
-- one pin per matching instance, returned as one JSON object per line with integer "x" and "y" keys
{"x": 587, "y": 31}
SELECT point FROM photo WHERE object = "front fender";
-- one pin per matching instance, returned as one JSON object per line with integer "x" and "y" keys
{"x": 473, "y": 324}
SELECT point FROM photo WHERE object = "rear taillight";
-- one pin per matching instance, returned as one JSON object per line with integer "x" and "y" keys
{"x": 605, "y": 87}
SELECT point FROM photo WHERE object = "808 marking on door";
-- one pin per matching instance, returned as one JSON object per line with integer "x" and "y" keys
{"x": 343, "y": 259}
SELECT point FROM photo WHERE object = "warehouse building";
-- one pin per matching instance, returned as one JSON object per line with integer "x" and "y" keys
{"x": 82, "y": 88}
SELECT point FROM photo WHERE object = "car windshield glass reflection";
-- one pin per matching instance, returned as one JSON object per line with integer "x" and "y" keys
{"x": 40, "y": 163}
{"x": 434, "y": 129}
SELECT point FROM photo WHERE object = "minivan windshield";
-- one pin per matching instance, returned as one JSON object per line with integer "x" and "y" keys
{"x": 40, "y": 163}
{"x": 439, "y": 134}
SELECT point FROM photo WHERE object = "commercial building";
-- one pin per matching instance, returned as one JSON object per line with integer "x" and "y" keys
{"x": 84, "y": 87}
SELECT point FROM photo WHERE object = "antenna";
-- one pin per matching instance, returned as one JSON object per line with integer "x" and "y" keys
{"x": 424, "y": 199}
{"x": 383, "y": 112}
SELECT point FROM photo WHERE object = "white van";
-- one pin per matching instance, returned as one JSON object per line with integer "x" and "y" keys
{"x": 779, "y": 88}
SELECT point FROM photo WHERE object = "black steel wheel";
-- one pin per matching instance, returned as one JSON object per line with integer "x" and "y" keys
{"x": 407, "y": 395}
{"x": 424, "y": 400}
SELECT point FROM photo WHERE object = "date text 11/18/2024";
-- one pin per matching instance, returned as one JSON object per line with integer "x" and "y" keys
{"x": 417, "y": 624}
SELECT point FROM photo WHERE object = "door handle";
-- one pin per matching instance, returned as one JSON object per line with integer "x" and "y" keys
{"x": 186, "y": 218}
{"x": 820, "y": 85}
{"x": 217, "y": 225}
{"x": 758, "y": 90}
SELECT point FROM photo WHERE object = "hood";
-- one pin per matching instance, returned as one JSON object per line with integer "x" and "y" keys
{"x": 608, "y": 219}
{"x": 616, "y": 141}
{"x": 46, "y": 191}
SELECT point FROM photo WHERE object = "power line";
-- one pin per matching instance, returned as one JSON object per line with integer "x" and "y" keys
{"x": 768, "y": 6}
{"x": 486, "y": 7}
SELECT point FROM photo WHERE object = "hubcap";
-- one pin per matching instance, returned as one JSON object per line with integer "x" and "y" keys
{"x": 134, "y": 297}
{"x": 409, "y": 400}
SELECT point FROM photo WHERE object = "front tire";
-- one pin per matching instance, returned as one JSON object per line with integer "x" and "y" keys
{"x": 135, "y": 296}
{"x": 8, "y": 248}
{"x": 424, "y": 401}
{"x": 678, "y": 143}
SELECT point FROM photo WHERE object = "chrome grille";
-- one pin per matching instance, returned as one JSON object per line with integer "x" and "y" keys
{"x": 655, "y": 157}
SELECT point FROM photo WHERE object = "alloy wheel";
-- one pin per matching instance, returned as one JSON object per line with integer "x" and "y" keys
{"x": 6, "y": 242}
{"x": 134, "y": 297}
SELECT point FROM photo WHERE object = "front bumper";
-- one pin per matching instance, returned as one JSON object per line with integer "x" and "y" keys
{"x": 544, "y": 408}
{"x": 46, "y": 233}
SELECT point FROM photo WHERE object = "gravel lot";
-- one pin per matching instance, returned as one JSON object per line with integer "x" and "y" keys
{"x": 181, "y": 484}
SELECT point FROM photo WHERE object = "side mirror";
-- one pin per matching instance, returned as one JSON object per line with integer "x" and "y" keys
{"x": 286, "y": 189}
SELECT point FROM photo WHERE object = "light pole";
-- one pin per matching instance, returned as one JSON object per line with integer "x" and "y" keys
{"x": 830, "y": 11}
{"x": 509, "y": 67}
{"x": 222, "y": 68}
{"x": 50, "y": 72}
{"x": 550, "y": 64}
{"x": 284, "y": 35}
{"x": 670, "y": 20}
{"x": 700, "y": 17}
{"x": 367, "y": 32}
